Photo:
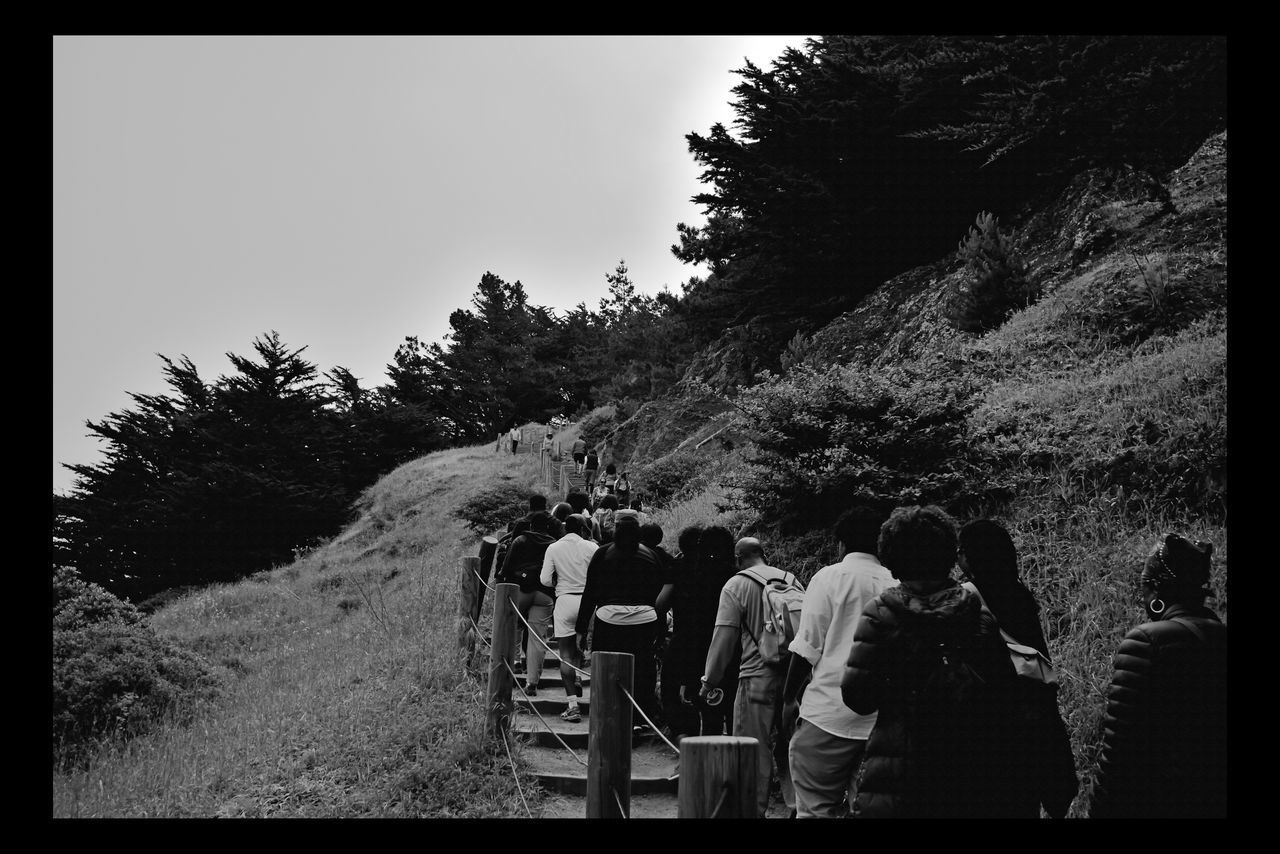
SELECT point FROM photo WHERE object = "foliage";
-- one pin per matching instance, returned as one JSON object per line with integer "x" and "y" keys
{"x": 998, "y": 282}
{"x": 598, "y": 424}
{"x": 669, "y": 478}
{"x": 491, "y": 508}
{"x": 827, "y": 437}
{"x": 112, "y": 675}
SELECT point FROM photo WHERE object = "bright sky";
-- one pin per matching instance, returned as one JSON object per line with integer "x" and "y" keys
{"x": 350, "y": 191}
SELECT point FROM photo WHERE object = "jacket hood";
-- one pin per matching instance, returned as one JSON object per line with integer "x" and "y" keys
{"x": 949, "y": 610}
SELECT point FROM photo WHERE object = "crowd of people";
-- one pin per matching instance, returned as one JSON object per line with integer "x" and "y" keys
{"x": 899, "y": 695}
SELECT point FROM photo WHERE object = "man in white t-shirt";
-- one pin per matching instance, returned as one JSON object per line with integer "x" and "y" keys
{"x": 828, "y": 744}
{"x": 564, "y": 567}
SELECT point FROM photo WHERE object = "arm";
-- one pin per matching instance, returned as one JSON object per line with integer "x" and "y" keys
{"x": 587, "y": 605}
{"x": 1122, "y": 723}
{"x": 719, "y": 655}
{"x": 862, "y": 686}
{"x": 798, "y": 675}
{"x": 547, "y": 575}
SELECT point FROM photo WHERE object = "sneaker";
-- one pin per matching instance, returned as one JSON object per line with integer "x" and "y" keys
{"x": 571, "y": 715}
{"x": 531, "y": 690}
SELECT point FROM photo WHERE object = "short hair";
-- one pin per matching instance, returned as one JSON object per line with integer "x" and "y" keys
{"x": 562, "y": 510}
{"x": 575, "y": 524}
{"x": 651, "y": 534}
{"x": 578, "y": 500}
{"x": 715, "y": 546}
{"x": 858, "y": 528}
{"x": 989, "y": 551}
{"x": 687, "y": 541}
{"x": 918, "y": 543}
{"x": 537, "y": 502}
{"x": 611, "y": 469}
{"x": 540, "y": 521}
{"x": 609, "y": 502}
{"x": 635, "y": 503}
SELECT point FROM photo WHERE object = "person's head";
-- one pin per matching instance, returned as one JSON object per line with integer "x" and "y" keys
{"x": 651, "y": 534}
{"x": 858, "y": 529}
{"x": 918, "y": 543}
{"x": 1176, "y": 571}
{"x": 548, "y": 434}
{"x": 626, "y": 532}
{"x": 687, "y": 540}
{"x": 562, "y": 510}
{"x": 715, "y": 549}
{"x": 748, "y": 552}
{"x": 986, "y": 553}
{"x": 609, "y": 502}
{"x": 575, "y": 524}
{"x": 537, "y": 502}
{"x": 611, "y": 469}
{"x": 540, "y": 522}
{"x": 636, "y": 505}
{"x": 578, "y": 501}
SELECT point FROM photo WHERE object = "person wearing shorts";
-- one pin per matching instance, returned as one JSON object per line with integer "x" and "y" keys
{"x": 579, "y": 452}
{"x": 564, "y": 567}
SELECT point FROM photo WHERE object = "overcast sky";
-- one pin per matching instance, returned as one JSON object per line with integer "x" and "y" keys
{"x": 347, "y": 192}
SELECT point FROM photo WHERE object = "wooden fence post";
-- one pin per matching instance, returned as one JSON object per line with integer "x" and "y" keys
{"x": 488, "y": 551}
{"x": 717, "y": 776}
{"x": 609, "y": 736}
{"x": 470, "y": 587}
{"x": 504, "y": 634}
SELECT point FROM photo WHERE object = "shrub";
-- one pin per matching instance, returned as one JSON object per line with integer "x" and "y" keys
{"x": 667, "y": 478}
{"x": 998, "y": 283}
{"x": 893, "y": 436}
{"x": 112, "y": 674}
{"x": 492, "y": 508}
{"x": 598, "y": 424}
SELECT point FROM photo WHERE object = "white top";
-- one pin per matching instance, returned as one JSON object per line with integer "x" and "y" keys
{"x": 567, "y": 557}
{"x": 833, "y": 603}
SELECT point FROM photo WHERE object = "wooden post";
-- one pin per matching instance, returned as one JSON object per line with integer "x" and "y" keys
{"x": 488, "y": 551}
{"x": 504, "y": 634}
{"x": 609, "y": 735}
{"x": 468, "y": 610}
{"x": 716, "y": 771}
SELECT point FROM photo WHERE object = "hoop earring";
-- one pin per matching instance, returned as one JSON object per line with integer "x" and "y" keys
{"x": 1152, "y": 605}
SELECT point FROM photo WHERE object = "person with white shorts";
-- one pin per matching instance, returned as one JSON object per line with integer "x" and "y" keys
{"x": 564, "y": 566}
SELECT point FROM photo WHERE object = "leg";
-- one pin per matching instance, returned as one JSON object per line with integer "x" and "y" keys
{"x": 752, "y": 718}
{"x": 823, "y": 770}
{"x": 535, "y": 653}
{"x": 565, "y": 616}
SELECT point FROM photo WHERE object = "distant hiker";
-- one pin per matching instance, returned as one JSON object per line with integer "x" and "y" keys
{"x": 757, "y": 709}
{"x": 579, "y": 451}
{"x": 637, "y": 505}
{"x": 1164, "y": 742}
{"x": 590, "y": 468}
{"x": 829, "y": 740}
{"x": 622, "y": 489}
{"x": 547, "y": 445}
{"x": 603, "y": 520}
{"x": 598, "y": 494}
{"x": 624, "y": 579}
{"x": 564, "y": 566}
{"x": 1044, "y": 766}
{"x": 581, "y": 504}
{"x": 929, "y": 659}
{"x": 610, "y": 478}
{"x": 523, "y": 566}
{"x": 514, "y": 437}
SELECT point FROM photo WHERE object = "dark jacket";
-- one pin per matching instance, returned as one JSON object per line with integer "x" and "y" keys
{"x": 523, "y": 563}
{"x": 1164, "y": 745}
{"x": 959, "y": 769}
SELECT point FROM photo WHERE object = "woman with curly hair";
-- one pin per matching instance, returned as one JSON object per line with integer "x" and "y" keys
{"x": 938, "y": 749}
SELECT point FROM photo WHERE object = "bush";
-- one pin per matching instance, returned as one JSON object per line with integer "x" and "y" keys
{"x": 112, "y": 674}
{"x": 893, "y": 436}
{"x": 669, "y": 478}
{"x": 598, "y": 424}
{"x": 998, "y": 284}
{"x": 492, "y": 508}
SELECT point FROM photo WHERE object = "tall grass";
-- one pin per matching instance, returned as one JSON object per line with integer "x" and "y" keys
{"x": 347, "y": 695}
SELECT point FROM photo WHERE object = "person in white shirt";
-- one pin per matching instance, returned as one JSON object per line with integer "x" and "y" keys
{"x": 827, "y": 746}
{"x": 564, "y": 566}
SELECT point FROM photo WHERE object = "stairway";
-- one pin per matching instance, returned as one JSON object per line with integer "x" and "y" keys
{"x": 653, "y": 764}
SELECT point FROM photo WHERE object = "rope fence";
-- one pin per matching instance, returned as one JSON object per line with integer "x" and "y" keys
{"x": 646, "y": 718}
{"x": 579, "y": 759}
{"x": 533, "y": 633}
{"x": 484, "y": 640}
{"x": 515, "y": 775}
{"x": 484, "y": 583}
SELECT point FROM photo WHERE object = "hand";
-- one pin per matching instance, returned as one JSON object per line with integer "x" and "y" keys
{"x": 582, "y": 641}
{"x": 703, "y": 690}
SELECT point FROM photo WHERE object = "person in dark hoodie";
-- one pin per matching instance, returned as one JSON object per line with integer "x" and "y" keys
{"x": 1164, "y": 742}
{"x": 523, "y": 566}
{"x": 938, "y": 749}
{"x": 1045, "y": 769}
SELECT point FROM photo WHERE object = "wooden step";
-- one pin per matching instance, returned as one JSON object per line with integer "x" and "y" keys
{"x": 654, "y": 769}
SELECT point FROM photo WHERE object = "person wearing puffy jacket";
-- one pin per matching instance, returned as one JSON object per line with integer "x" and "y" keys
{"x": 1164, "y": 746}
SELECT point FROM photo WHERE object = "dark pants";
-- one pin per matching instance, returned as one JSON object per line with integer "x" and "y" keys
{"x": 637, "y": 640}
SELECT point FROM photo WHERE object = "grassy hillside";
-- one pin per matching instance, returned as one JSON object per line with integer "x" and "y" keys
{"x": 344, "y": 693}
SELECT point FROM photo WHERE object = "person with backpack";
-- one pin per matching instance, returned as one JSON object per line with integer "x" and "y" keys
{"x": 741, "y": 622}
{"x": 829, "y": 740}
{"x": 590, "y": 469}
{"x": 1046, "y": 772}
{"x": 579, "y": 452}
{"x": 622, "y": 489}
{"x": 603, "y": 520}
{"x": 523, "y": 566}
{"x": 929, "y": 659}
{"x": 1164, "y": 732}
{"x": 610, "y": 479}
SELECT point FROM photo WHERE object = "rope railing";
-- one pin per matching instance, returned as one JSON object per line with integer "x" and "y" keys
{"x": 579, "y": 759}
{"x": 617, "y": 800}
{"x": 484, "y": 640}
{"x": 646, "y": 718}
{"x": 724, "y": 796}
{"x": 515, "y": 775}
{"x": 486, "y": 584}
{"x": 533, "y": 633}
